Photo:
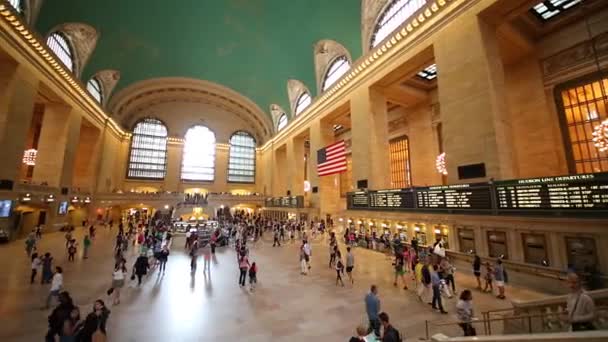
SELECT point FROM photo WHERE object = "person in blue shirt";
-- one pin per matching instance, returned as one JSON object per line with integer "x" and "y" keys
{"x": 436, "y": 282}
{"x": 372, "y": 307}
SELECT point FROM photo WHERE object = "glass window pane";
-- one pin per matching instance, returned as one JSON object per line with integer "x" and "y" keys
{"x": 336, "y": 70}
{"x": 148, "y": 150}
{"x": 198, "y": 161}
{"x": 282, "y": 122}
{"x": 60, "y": 46}
{"x": 395, "y": 14}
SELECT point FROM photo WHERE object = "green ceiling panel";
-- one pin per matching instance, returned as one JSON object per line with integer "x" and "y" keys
{"x": 251, "y": 46}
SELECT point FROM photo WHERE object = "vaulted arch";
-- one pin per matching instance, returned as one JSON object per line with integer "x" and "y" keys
{"x": 82, "y": 38}
{"x": 108, "y": 79}
{"x": 327, "y": 52}
{"x": 297, "y": 92}
{"x": 28, "y": 9}
{"x": 279, "y": 117}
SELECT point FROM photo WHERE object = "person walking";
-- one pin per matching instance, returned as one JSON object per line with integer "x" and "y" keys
{"x": 243, "y": 267}
{"x": 339, "y": 268}
{"x": 500, "y": 277}
{"x": 350, "y": 264}
{"x": 47, "y": 268}
{"x": 72, "y": 249}
{"x": 464, "y": 312}
{"x": 477, "y": 270}
{"x": 436, "y": 283}
{"x": 58, "y": 316}
{"x": 140, "y": 268}
{"x": 308, "y": 253}
{"x": 276, "y": 241}
{"x": 36, "y": 263}
{"x": 206, "y": 259}
{"x": 372, "y": 308}
{"x": 448, "y": 273}
{"x": 253, "y": 276}
{"x": 303, "y": 268}
{"x": 86, "y": 244}
{"x": 424, "y": 274}
{"x": 579, "y": 306}
{"x": 163, "y": 257}
{"x": 30, "y": 244}
{"x": 333, "y": 247}
{"x": 489, "y": 275}
{"x": 56, "y": 286}
{"x": 71, "y": 326}
{"x": 94, "y": 329}
{"x": 118, "y": 281}
{"x": 400, "y": 271}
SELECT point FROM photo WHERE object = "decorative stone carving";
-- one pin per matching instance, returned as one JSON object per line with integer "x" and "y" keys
{"x": 108, "y": 80}
{"x": 576, "y": 57}
{"x": 370, "y": 11}
{"x": 294, "y": 89}
{"x": 397, "y": 124}
{"x": 83, "y": 39}
{"x": 325, "y": 52}
{"x": 32, "y": 9}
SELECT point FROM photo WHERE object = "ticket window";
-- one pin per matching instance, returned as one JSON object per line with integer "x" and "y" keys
{"x": 420, "y": 236}
{"x": 441, "y": 234}
{"x": 535, "y": 249}
{"x": 466, "y": 240}
{"x": 497, "y": 244}
{"x": 401, "y": 232}
{"x": 582, "y": 253}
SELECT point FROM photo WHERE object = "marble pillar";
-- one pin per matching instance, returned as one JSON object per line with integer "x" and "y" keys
{"x": 327, "y": 197}
{"x": 295, "y": 166}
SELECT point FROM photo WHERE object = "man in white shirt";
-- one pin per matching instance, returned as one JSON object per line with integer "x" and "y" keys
{"x": 308, "y": 252}
{"x": 580, "y": 306}
{"x": 56, "y": 286}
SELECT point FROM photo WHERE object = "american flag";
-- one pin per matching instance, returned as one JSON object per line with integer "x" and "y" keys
{"x": 331, "y": 159}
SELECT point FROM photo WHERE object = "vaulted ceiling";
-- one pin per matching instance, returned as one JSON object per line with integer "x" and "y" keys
{"x": 251, "y": 46}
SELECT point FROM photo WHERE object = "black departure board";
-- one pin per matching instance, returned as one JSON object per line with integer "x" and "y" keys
{"x": 575, "y": 192}
{"x": 358, "y": 200}
{"x": 391, "y": 199}
{"x": 457, "y": 196}
{"x": 285, "y": 202}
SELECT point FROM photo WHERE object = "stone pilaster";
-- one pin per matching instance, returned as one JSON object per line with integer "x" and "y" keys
{"x": 18, "y": 90}
{"x": 475, "y": 120}
{"x": 328, "y": 196}
{"x": 295, "y": 166}
{"x": 370, "y": 149}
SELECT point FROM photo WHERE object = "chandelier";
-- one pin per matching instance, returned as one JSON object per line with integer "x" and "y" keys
{"x": 29, "y": 157}
{"x": 600, "y": 136}
{"x": 440, "y": 164}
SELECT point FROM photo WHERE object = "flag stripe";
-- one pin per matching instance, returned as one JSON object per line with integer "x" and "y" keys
{"x": 333, "y": 159}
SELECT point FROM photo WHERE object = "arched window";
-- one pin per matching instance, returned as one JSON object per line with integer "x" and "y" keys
{"x": 395, "y": 14}
{"x": 336, "y": 69}
{"x": 17, "y": 5}
{"x": 94, "y": 88}
{"x": 303, "y": 101}
{"x": 60, "y": 46}
{"x": 282, "y": 122}
{"x": 241, "y": 164}
{"x": 198, "y": 161}
{"x": 148, "y": 157}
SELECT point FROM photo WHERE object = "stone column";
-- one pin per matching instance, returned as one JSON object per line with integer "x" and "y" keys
{"x": 370, "y": 149}
{"x": 279, "y": 174}
{"x": 87, "y": 158}
{"x": 328, "y": 196}
{"x": 18, "y": 90}
{"x": 174, "y": 166}
{"x": 57, "y": 145}
{"x": 295, "y": 166}
{"x": 475, "y": 120}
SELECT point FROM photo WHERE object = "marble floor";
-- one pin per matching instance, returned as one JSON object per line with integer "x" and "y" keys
{"x": 179, "y": 307}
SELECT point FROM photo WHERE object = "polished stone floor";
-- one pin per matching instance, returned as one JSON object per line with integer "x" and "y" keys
{"x": 178, "y": 307}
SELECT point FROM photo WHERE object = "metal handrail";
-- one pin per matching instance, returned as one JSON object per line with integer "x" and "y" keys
{"x": 487, "y": 328}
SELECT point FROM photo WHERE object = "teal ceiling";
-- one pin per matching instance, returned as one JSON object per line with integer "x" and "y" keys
{"x": 251, "y": 46}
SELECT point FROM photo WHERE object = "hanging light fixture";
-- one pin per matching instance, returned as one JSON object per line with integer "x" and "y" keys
{"x": 29, "y": 156}
{"x": 440, "y": 164}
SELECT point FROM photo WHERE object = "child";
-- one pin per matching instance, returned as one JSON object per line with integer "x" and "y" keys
{"x": 253, "y": 276}
{"x": 488, "y": 278}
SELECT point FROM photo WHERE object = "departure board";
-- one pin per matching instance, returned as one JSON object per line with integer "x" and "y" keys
{"x": 285, "y": 202}
{"x": 358, "y": 200}
{"x": 397, "y": 198}
{"x": 457, "y": 196}
{"x": 575, "y": 192}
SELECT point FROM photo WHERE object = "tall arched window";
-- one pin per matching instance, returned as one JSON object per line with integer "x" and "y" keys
{"x": 62, "y": 49}
{"x": 241, "y": 164}
{"x": 17, "y": 5}
{"x": 94, "y": 88}
{"x": 395, "y": 14}
{"x": 282, "y": 122}
{"x": 148, "y": 157}
{"x": 304, "y": 101}
{"x": 337, "y": 69}
{"x": 198, "y": 161}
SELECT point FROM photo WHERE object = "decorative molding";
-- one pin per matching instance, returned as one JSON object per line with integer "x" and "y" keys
{"x": 295, "y": 88}
{"x": 83, "y": 39}
{"x": 325, "y": 52}
{"x": 370, "y": 11}
{"x": 108, "y": 80}
{"x": 397, "y": 124}
{"x": 575, "y": 59}
{"x": 135, "y": 100}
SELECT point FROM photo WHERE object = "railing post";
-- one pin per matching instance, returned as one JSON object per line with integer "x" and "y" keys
{"x": 530, "y": 324}
{"x": 426, "y": 323}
